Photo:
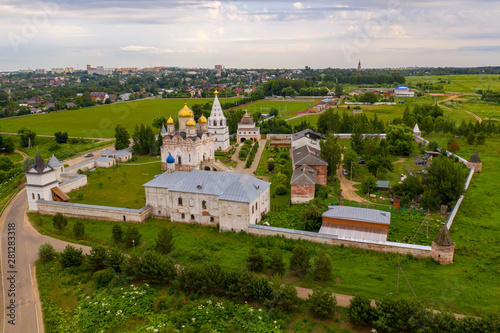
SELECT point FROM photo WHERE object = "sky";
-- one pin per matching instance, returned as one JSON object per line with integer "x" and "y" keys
{"x": 248, "y": 34}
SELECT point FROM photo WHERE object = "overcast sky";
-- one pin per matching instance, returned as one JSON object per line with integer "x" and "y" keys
{"x": 248, "y": 34}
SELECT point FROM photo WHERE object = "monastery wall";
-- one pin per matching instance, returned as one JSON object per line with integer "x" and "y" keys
{"x": 93, "y": 212}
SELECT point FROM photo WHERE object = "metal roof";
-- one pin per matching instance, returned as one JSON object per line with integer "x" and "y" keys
{"x": 123, "y": 153}
{"x": 352, "y": 231}
{"x": 304, "y": 175}
{"x": 383, "y": 183}
{"x": 307, "y": 155}
{"x": 227, "y": 186}
{"x": 54, "y": 162}
{"x": 308, "y": 133}
{"x": 358, "y": 214}
{"x": 107, "y": 152}
{"x": 104, "y": 159}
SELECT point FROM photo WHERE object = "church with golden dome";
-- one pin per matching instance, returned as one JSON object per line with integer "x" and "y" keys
{"x": 191, "y": 145}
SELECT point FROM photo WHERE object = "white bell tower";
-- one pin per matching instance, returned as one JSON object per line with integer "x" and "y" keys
{"x": 40, "y": 178}
{"x": 217, "y": 125}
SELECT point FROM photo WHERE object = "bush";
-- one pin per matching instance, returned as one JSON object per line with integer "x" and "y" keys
{"x": 114, "y": 259}
{"x": 243, "y": 154}
{"x": 54, "y": 147}
{"x": 255, "y": 260}
{"x": 59, "y": 221}
{"x": 322, "y": 302}
{"x": 132, "y": 236}
{"x": 281, "y": 189}
{"x": 165, "y": 241}
{"x": 299, "y": 262}
{"x": 71, "y": 257}
{"x": 360, "y": 311}
{"x": 103, "y": 277}
{"x": 117, "y": 233}
{"x": 46, "y": 252}
{"x": 277, "y": 265}
{"x": 322, "y": 270}
{"x": 61, "y": 137}
{"x": 283, "y": 298}
{"x": 97, "y": 258}
{"x": 369, "y": 184}
{"x": 79, "y": 229}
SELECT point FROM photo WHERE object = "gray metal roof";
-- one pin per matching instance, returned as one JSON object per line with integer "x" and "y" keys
{"x": 104, "y": 159}
{"x": 383, "y": 183}
{"x": 358, "y": 214}
{"x": 123, "y": 153}
{"x": 54, "y": 162}
{"x": 307, "y": 155}
{"x": 308, "y": 133}
{"x": 107, "y": 152}
{"x": 227, "y": 186}
{"x": 304, "y": 175}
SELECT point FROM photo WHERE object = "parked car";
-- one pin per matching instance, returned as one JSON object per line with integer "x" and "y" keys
{"x": 89, "y": 155}
{"x": 361, "y": 160}
{"x": 344, "y": 172}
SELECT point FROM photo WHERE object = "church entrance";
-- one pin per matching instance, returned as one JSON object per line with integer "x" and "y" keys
{"x": 243, "y": 139}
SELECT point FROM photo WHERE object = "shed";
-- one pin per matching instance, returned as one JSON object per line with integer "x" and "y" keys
{"x": 353, "y": 222}
{"x": 382, "y": 184}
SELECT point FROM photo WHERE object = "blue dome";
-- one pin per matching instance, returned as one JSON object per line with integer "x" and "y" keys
{"x": 170, "y": 158}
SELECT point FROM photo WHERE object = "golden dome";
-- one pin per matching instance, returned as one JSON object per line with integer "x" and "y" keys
{"x": 202, "y": 120}
{"x": 170, "y": 121}
{"x": 185, "y": 112}
{"x": 191, "y": 122}
{"x": 216, "y": 92}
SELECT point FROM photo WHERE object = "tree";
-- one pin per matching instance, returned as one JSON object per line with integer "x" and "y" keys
{"x": 453, "y": 145}
{"x": 360, "y": 311}
{"x": 97, "y": 258}
{"x": 27, "y": 163}
{"x": 284, "y": 298}
{"x": 144, "y": 140}
{"x": 132, "y": 236}
{"x": 122, "y": 137}
{"x": 331, "y": 152}
{"x": 27, "y": 137}
{"x": 46, "y": 252}
{"x": 6, "y": 163}
{"x": 114, "y": 259}
{"x": 159, "y": 121}
{"x": 59, "y": 222}
{"x": 165, "y": 241}
{"x": 87, "y": 100}
{"x": 117, "y": 233}
{"x": 61, "y": 137}
{"x": 312, "y": 215}
{"x": 400, "y": 139}
{"x": 7, "y": 144}
{"x": 255, "y": 260}
{"x": 339, "y": 90}
{"x": 277, "y": 265}
{"x": 288, "y": 91}
{"x": 322, "y": 302}
{"x": 71, "y": 257}
{"x": 299, "y": 262}
{"x": 350, "y": 160}
{"x": 481, "y": 139}
{"x": 369, "y": 184}
{"x": 444, "y": 180}
{"x": 79, "y": 229}
{"x": 322, "y": 269}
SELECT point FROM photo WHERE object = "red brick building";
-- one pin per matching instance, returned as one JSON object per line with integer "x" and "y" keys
{"x": 309, "y": 156}
{"x": 303, "y": 184}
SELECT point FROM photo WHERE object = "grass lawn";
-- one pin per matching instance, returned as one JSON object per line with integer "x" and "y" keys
{"x": 286, "y": 109}
{"x": 66, "y": 151}
{"x": 123, "y": 188}
{"x": 100, "y": 121}
{"x": 460, "y": 83}
{"x": 483, "y": 110}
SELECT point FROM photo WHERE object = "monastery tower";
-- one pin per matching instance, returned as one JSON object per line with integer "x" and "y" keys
{"x": 217, "y": 125}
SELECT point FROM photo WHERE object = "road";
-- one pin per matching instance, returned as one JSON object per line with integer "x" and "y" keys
{"x": 347, "y": 186}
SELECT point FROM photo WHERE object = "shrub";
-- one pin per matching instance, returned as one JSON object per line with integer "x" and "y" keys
{"x": 103, "y": 277}
{"x": 277, "y": 265}
{"x": 360, "y": 311}
{"x": 281, "y": 189}
{"x": 114, "y": 259}
{"x": 132, "y": 236}
{"x": 283, "y": 298}
{"x": 54, "y": 147}
{"x": 247, "y": 143}
{"x": 242, "y": 154}
{"x": 59, "y": 221}
{"x": 398, "y": 315}
{"x": 117, "y": 233}
{"x": 165, "y": 241}
{"x": 156, "y": 267}
{"x": 71, "y": 257}
{"x": 299, "y": 262}
{"x": 322, "y": 270}
{"x": 46, "y": 252}
{"x": 369, "y": 184}
{"x": 255, "y": 260}
{"x": 97, "y": 258}
{"x": 322, "y": 302}
{"x": 262, "y": 289}
{"x": 79, "y": 229}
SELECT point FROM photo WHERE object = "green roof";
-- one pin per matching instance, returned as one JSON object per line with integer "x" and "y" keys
{"x": 383, "y": 183}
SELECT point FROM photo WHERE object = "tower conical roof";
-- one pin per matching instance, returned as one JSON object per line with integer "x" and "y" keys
{"x": 54, "y": 162}
{"x": 475, "y": 158}
{"x": 443, "y": 238}
{"x": 40, "y": 165}
{"x": 163, "y": 130}
{"x": 416, "y": 129}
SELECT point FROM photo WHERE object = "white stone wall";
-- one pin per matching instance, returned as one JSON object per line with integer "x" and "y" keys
{"x": 191, "y": 153}
{"x": 94, "y": 212}
{"x": 72, "y": 182}
{"x": 84, "y": 167}
{"x": 36, "y": 193}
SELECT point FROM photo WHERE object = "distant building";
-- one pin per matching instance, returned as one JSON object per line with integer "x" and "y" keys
{"x": 403, "y": 91}
{"x": 247, "y": 129}
{"x": 219, "y": 67}
{"x": 100, "y": 70}
{"x": 40, "y": 71}
{"x": 58, "y": 71}
{"x": 359, "y": 66}
{"x": 99, "y": 96}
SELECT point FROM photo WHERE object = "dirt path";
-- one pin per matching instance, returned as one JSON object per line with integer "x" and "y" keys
{"x": 457, "y": 98}
{"x": 22, "y": 154}
{"x": 347, "y": 187}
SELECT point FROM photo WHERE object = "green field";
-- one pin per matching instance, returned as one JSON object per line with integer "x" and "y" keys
{"x": 460, "y": 83}
{"x": 100, "y": 121}
{"x": 483, "y": 110}
{"x": 286, "y": 109}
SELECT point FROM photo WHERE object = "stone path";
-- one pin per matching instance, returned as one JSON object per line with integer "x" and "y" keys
{"x": 240, "y": 168}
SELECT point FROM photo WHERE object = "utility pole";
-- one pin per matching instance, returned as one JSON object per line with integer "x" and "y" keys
{"x": 351, "y": 171}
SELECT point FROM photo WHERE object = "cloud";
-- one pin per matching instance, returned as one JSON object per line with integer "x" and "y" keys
{"x": 298, "y": 5}
{"x": 146, "y": 49}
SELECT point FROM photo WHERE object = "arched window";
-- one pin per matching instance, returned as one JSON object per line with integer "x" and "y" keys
{"x": 221, "y": 123}
{"x": 180, "y": 201}
{"x": 183, "y": 216}
{"x": 192, "y": 217}
{"x": 252, "y": 210}
{"x": 39, "y": 197}
{"x": 256, "y": 205}
{"x": 33, "y": 195}
{"x": 179, "y": 160}
{"x": 215, "y": 122}
{"x": 204, "y": 204}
